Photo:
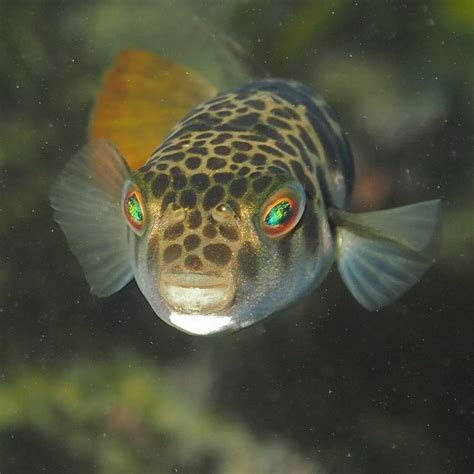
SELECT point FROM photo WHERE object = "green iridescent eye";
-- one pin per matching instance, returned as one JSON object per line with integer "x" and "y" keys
{"x": 279, "y": 214}
{"x": 134, "y": 210}
{"x": 283, "y": 210}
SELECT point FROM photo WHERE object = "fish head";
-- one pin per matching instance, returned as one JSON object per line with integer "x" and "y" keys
{"x": 213, "y": 257}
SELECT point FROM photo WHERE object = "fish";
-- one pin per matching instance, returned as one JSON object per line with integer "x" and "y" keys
{"x": 227, "y": 207}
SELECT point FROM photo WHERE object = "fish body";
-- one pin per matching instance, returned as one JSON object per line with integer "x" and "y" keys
{"x": 239, "y": 212}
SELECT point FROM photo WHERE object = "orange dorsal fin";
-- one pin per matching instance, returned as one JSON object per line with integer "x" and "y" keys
{"x": 142, "y": 99}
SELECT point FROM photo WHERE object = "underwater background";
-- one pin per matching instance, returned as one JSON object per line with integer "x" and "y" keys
{"x": 91, "y": 385}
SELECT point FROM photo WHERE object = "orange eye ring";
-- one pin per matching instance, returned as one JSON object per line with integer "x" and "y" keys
{"x": 282, "y": 212}
{"x": 134, "y": 210}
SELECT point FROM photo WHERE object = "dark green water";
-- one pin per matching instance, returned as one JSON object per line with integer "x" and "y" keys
{"x": 92, "y": 385}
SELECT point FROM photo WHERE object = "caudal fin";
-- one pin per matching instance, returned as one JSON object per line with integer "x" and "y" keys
{"x": 381, "y": 254}
{"x": 86, "y": 202}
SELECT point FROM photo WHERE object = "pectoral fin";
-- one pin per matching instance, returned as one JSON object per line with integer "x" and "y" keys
{"x": 381, "y": 254}
{"x": 86, "y": 201}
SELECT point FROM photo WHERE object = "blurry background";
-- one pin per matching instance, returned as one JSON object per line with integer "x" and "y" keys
{"x": 103, "y": 386}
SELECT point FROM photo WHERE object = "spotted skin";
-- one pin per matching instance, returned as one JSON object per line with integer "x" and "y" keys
{"x": 234, "y": 151}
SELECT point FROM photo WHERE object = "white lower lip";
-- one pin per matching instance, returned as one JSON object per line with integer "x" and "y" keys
{"x": 190, "y": 292}
{"x": 199, "y": 324}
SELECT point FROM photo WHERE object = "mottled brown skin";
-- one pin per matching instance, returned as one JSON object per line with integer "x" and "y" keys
{"x": 208, "y": 180}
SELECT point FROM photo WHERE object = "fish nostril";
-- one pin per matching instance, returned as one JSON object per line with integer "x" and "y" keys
{"x": 223, "y": 213}
{"x": 174, "y": 213}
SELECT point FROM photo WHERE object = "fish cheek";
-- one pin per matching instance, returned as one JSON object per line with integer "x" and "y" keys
{"x": 247, "y": 259}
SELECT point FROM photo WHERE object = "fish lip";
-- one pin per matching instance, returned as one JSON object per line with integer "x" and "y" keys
{"x": 198, "y": 324}
{"x": 194, "y": 280}
{"x": 189, "y": 292}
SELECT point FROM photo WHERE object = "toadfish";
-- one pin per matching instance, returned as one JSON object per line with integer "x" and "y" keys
{"x": 226, "y": 208}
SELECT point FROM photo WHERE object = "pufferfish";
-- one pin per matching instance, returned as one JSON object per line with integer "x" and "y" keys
{"x": 227, "y": 208}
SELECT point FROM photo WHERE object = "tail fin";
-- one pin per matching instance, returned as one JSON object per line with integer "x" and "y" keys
{"x": 86, "y": 202}
{"x": 381, "y": 254}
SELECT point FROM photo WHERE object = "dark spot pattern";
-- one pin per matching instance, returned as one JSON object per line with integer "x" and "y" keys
{"x": 276, "y": 122}
{"x": 260, "y": 184}
{"x": 160, "y": 184}
{"x": 209, "y": 231}
{"x": 213, "y": 197}
{"x": 243, "y": 122}
{"x": 247, "y": 141}
{"x": 267, "y": 131}
{"x": 255, "y": 104}
{"x": 222, "y": 150}
{"x": 309, "y": 187}
{"x": 172, "y": 253}
{"x": 258, "y": 159}
{"x": 194, "y": 219}
{"x": 215, "y": 163}
{"x": 221, "y": 138}
{"x": 151, "y": 251}
{"x": 167, "y": 200}
{"x": 298, "y": 170}
{"x": 282, "y": 113}
{"x": 306, "y": 140}
{"x": 253, "y": 138}
{"x": 281, "y": 164}
{"x": 187, "y": 199}
{"x": 223, "y": 177}
{"x": 239, "y": 158}
{"x": 270, "y": 150}
{"x": 276, "y": 170}
{"x": 205, "y": 135}
{"x": 238, "y": 187}
{"x": 229, "y": 231}
{"x": 193, "y": 162}
{"x": 173, "y": 156}
{"x": 200, "y": 181}
{"x": 235, "y": 207}
{"x": 179, "y": 181}
{"x": 302, "y": 151}
{"x": 241, "y": 146}
{"x": 191, "y": 242}
{"x": 219, "y": 254}
{"x": 173, "y": 231}
{"x": 286, "y": 148}
{"x": 292, "y": 113}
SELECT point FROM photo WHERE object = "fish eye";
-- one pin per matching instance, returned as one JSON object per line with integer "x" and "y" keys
{"x": 134, "y": 209}
{"x": 282, "y": 211}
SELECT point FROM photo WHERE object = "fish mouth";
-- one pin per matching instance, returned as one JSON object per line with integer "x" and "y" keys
{"x": 197, "y": 293}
